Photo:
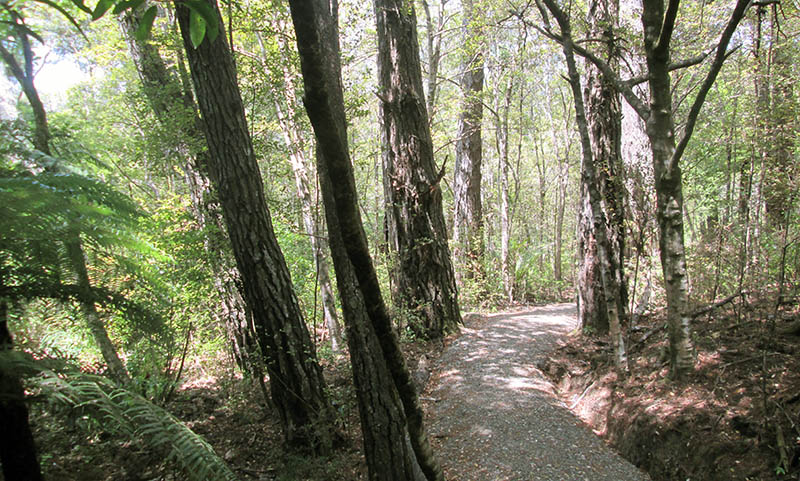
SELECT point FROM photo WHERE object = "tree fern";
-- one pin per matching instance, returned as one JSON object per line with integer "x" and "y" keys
{"x": 123, "y": 412}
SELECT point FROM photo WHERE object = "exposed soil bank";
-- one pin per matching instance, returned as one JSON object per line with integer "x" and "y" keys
{"x": 737, "y": 417}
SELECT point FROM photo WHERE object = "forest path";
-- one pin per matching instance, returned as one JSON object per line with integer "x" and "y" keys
{"x": 493, "y": 416}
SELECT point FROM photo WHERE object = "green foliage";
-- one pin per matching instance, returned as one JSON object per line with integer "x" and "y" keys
{"x": 118, "y": 410}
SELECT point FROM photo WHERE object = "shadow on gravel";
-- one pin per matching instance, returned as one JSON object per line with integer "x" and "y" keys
{"x": 493, "y": 414}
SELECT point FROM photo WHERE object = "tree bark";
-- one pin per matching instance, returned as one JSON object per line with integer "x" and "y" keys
{"x": 589, "y": 179}
{"x": 315, "y": 26}
{"x": 174, "y": 106}
{"x": 424, "y": 282}
{"x": 297, "y": 386}
{"x": 468, "y": 210}
{"x": 501, "y": 135}
{"x": 604, "y": 121}
{"x": 669, "y": 185}
{"x": 17, "y": 449}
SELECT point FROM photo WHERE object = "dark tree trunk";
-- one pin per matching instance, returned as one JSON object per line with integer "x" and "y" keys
{"x": 175, "y": 107}
{"x": 424, "y": 284}
{"x": 17, "y": 449}
{"x": 604, "y": 118}
{"x": 295, "y": 376}
{"x": 388, "y": 458}
{"x": 468, "y": 210}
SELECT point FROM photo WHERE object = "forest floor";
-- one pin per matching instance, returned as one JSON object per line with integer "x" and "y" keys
{"x": 497, "y": 398}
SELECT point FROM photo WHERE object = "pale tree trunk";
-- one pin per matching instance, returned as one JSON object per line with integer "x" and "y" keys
{"x": 297, "y": 386}
{"x": 174, "y": 106}
{"x": 468, "y": 210}
{"x": 501, "y": 136}
{"x": 434, "y": 41}
{"x": 25, "y": 74}
{"x": 424, "y": 283}
{"x": 293, "y": 136}
{"x": 395, "y": 442}
{"x": 669, "y": 188}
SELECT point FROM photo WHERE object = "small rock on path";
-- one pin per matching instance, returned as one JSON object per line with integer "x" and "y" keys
{"x": 493, "y": 416}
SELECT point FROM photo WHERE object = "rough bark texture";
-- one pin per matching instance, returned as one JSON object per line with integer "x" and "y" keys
{"x": 604, "y": 119}
{"x": 424, "y": 284}
{"x": 295, "y": 376}
{"x": 17, "y": 449}
{"x": 589, "y": 179}
{"x": 175, "y": 107}
{"x": 388, "y": 457}
{"x": 468, "y": 209}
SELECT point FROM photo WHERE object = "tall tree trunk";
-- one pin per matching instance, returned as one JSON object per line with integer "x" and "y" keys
{"x": 41, "y": 141}
{"x": 424, "y": 283}
{"x": 604, "y": 120}
{"x": 501, "y": 135}
{"x": 589, "y": 178}
{"x": 434, "y": 41}
{"x": 669, "y": 187}
{"x": 174, "y": 106}
{"x": 315, "y": 26}
{"x": 468, "y": 210}
{"x": 17, "y": 449}
{"x": 293, "y": 136}
{"x": 297, "y": 386}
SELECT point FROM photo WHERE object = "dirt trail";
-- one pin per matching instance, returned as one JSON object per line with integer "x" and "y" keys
{"x": 493, "y": 415}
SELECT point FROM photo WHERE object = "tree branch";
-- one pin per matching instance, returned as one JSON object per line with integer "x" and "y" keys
{"x": 667, "y": 27}
{"x": 689, "y": 62}
{"x": 716, "y": 66}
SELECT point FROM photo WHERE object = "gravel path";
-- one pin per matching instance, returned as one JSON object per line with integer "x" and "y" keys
{"x": 493, "y": 415}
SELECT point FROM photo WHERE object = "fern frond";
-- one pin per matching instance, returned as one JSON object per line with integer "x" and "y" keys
{"x": 124, "y": 412}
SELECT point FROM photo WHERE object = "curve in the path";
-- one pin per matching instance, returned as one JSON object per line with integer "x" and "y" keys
{"x": 493, "y": 416}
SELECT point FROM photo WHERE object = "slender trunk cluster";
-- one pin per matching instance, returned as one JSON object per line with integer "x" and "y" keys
{"x": 424, "y": 283}
{"x": 295, "y": 376}
{"x": 293, "y": 136}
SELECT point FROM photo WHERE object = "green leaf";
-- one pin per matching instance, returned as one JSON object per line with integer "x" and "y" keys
{"x": 197, "y": 28}
{"x": 126, "y": 5}
{"x": 101, "y": 8}
{"x": 146, "y": 23}
{"x": 209, "y": 14}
